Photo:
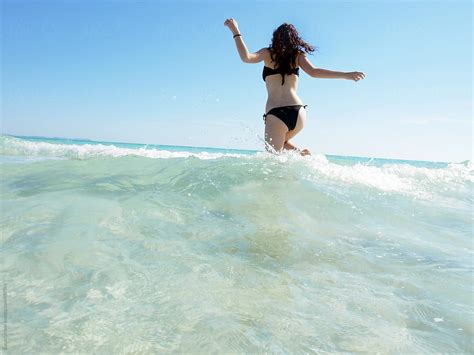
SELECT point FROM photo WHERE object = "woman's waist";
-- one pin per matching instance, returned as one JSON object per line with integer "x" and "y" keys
{"x": 284, "y": 101}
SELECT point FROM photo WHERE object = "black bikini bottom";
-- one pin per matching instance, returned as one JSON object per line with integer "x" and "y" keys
{"x": 288, "y": 114}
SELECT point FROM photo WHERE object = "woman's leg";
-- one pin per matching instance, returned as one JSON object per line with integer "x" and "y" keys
{"x": 299, "y": 125}
{"x": 289, "y": 145}
{"x": 275, "y": 133}
{"x": 290, "y": 134}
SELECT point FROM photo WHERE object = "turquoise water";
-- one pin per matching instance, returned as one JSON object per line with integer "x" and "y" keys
{"x": 113, "y": 247}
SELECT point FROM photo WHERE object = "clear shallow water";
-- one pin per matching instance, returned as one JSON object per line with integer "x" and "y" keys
{"x": 132, "y": 248}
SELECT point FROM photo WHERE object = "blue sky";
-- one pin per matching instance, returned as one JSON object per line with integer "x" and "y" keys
{"x": 169, "y": 73}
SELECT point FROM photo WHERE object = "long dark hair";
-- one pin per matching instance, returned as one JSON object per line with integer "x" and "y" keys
{"x": 285, "y": 46}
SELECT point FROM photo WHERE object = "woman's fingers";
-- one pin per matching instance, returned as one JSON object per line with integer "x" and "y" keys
{"x": 356, "y": 76}
{"x": 229, "y": 21}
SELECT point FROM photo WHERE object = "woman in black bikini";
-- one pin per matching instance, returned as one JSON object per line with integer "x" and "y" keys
{"x": 285, "y": 113}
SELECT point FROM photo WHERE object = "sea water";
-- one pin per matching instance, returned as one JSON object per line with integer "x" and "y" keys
{"x": 112, "y": 247}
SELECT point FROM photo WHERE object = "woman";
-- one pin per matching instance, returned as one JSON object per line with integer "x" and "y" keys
{"x": 285, "y": 112}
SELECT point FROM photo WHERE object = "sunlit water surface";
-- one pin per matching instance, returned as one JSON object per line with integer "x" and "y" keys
{"x": 129, "y": 248}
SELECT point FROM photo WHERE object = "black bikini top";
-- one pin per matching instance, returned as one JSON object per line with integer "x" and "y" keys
{"x": 269, "y": 71}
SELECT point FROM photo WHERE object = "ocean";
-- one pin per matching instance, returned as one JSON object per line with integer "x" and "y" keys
{"x": 130, "y": 248}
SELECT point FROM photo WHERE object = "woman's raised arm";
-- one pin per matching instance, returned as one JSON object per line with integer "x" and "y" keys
{"x": 314, "y": 72}
{"x": 244, "y": 53}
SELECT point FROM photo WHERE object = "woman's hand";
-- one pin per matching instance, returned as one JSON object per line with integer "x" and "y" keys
{"x": 233, "y": 26}
{"x": 355, "y": 75}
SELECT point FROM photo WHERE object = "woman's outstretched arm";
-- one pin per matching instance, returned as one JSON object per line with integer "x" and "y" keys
{"x": 314, "y": 72}
{"x": 244, "y": 53}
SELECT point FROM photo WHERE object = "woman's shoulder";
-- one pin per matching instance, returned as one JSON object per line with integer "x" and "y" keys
{"x": 300, "y": 53}
{"x": 266, "y": 54}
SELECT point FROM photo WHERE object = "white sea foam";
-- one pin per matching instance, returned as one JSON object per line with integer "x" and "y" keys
{"x": 387, "y": 177}
{"x": 395, "y": 177}
{"x": 14, "y": 146}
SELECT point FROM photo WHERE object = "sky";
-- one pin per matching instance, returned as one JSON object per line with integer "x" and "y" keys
{"x": 168, "y": 72}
